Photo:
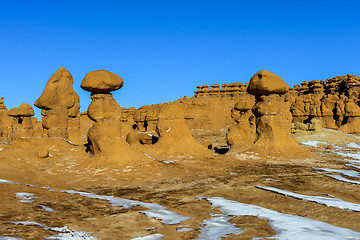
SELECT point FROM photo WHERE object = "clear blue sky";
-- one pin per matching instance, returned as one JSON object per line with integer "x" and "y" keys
{"x": 163, "y": 49}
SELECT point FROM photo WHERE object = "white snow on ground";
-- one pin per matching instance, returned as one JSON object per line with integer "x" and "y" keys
{"x": 150, "y": 237}
{"x": 314, "y": 143}
{"x": 350, "y": 155}
{"x": 184, "y": 228}
{"x": 330, "y": 202}
{"x": 65, "y": 140}
{"x": 287, "y": 226}
{"x": 163, "y": 161}
{"x": 217, "y": 227}
{"x": 72, "y": 235}
{"x": 157, "y": 211}
{"x": 7, "y": 181}
{"x": 55, "y": 229}
{"x": 348, "y": 173}
{"x": 46, "y": 208}
{"x": 352, "y": 165}
{"x": 25, "y": 184}
{"x": 9, "y": 238}
{"x": 340, "y": 178}
{"x": 353, "y": 145}
{"x": 65, "y": 232}
{"x": 26, "y": 197}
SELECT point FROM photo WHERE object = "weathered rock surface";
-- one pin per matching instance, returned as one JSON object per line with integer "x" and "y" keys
{"x": 60, "y": 106}
{"x": 175, "y": 138}
{"x": 242, "y": 136}
{"x": 101, "y": 81}
{"x": 266, "y": 83}
{"x": 273, "y": 117}
{"x": 105, "y": 139}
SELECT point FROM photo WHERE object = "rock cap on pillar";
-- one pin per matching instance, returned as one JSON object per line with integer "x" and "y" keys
{"x": 14, "y": 112}
{"x": 58, "y": 91}
{"x": 25, "y": 110}
{"x": 266, "y": 83}
{"x": 101, "y": 81}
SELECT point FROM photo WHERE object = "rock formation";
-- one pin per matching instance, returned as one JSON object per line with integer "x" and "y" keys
{"x": 175, "y": 138}
{"x": 60, "y": 107}
{"x": 5, "y": 121}
{"x": 241, "y": 136}
{"x": 273, "y": 117}
{"x": 326, "y": 101}
{"x": 22, "y": 124}
{"x": 104, "y": 137}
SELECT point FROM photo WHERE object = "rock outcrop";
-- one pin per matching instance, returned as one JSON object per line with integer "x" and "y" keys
{"x": 22, "y": 124}
{"x": 5, "y": 121}
{"x": 241, "y": 136}
{"x": 175, "y": 138}
{"x": 104, "y": 137}
{"x": 273, "y": 117}
{"x": 60, "y": 107}
{"x": 327, "y": 100}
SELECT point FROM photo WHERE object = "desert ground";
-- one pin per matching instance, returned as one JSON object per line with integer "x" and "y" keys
{"x": 233, "y": 196}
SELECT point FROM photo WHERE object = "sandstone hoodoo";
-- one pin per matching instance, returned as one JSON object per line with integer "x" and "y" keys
{"x": 22, "y": 124}
{"x": 60, "y": 105}
{"x": 174, "y": 135}
{"x": 27, "y": 125}
{"x": 273, "y": 117}
{"x": 5, "y": 121}
{"x": 104, "y": 137}
{"x": 241, "y": 136}
{"x": 15, "y": 123}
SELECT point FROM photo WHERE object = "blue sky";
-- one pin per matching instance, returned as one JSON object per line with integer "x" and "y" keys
{"x": 163, "y": 49}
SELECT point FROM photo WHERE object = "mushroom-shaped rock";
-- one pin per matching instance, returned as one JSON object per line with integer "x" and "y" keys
{"x": 101, "y": 81}
{"x": 14, "y": 112}
{"x": 25, "y": 110}
{"x": 265, "y": 83}
{"x": 58, "y": 91}
{"x": 273, "y": 117}
{"x": 175, "y": 138}
{"x": 59, "y": 102}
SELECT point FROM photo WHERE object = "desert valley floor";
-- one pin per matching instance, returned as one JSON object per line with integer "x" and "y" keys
{"x": 238, "y": 196}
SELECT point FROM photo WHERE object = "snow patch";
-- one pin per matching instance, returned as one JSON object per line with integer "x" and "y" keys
{"x": 330, "y": 202}
{"x": 350, "y": 155}
{"x": 341, "y": 178}
{"x": 73, "y": 235}
{"x": 66, "y": 233}
{"x": 217, "y": 227}
{"x": 352, "y": 165}
{"x": 46, "y": 208}
{"x": 157, "y": 211}
{"x": 353, "y": 145}
{"x": 25, "y": 184}
{"x": 348, "y": 173}
{"x": 9, "y": 238}
{"x": 314, "y": 143}
{"x": 65, "y": 140}
{"x": 150, "y": 237}
{"x": 287, "y": 226}
{"x": 26, "y": 197}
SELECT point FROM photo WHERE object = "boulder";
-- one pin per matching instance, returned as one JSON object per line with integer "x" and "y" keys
{"x": 265, "y": 83}
{"x": 101, "y": 81}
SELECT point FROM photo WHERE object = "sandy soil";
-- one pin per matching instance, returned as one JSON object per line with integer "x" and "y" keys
{"x": 175, "y": 186}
